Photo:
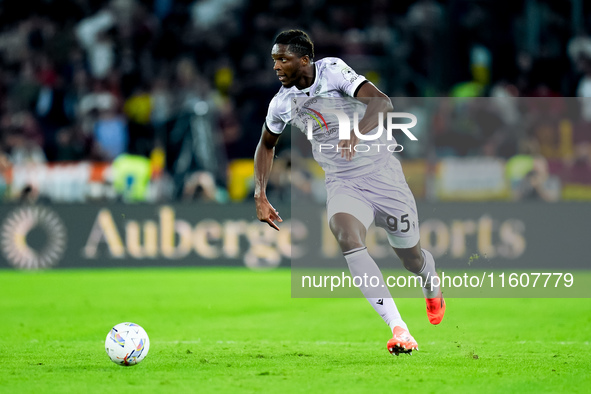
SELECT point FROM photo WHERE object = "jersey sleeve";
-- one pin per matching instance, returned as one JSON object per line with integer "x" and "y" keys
{"x": 344, "y": 77}
{"x": 278, "y": 115}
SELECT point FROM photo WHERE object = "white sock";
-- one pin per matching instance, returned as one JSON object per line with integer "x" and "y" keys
{"x": 428, "y": 272}
{"x": 362, "y": 265}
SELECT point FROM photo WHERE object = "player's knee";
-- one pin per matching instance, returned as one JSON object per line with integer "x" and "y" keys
{"x": 348, "y": 241}
{"x": 347, "y": 235}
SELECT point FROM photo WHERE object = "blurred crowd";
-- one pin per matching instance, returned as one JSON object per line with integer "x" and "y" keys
{"x": 186, "y": 83}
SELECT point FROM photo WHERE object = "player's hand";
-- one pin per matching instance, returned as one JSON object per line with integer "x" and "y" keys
{"x": 266, "y": 213}
{"x": 347, "y": 147}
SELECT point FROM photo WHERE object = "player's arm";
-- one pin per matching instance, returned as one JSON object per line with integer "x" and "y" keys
{"x": 263, "y": 162}
{"x": 376, "y": 102}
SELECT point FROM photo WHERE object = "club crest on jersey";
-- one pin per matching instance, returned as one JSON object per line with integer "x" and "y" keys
{"x": 349, "y": 74}
{"x": 317, "y": 116}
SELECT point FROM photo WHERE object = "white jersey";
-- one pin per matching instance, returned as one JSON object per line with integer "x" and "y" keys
{"x": 336, "y": 84}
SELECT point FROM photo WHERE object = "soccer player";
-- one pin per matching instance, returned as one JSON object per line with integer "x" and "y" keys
{"x": 361, "y": 188}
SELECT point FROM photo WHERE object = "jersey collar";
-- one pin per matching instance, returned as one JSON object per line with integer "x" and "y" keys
{"x": 309, "y": 88}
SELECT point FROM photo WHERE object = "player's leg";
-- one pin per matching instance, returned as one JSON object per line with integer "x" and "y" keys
{"x": 419, "y": 261}
{"x": 396, "y": 212}
{"x": 349, "y": 229}
{"x": 350, "y": 234}
{"x": 400, "y": 220}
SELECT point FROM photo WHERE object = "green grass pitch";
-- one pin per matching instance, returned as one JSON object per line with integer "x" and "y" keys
{"x": 234, "y": 330}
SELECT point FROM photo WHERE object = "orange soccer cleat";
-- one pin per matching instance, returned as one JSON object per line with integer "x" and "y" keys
{"x": 435, "y": 309}
{"x": 401, "y": 342}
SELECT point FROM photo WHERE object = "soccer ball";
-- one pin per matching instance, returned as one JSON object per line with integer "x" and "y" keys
{"x": 127, "y": 344}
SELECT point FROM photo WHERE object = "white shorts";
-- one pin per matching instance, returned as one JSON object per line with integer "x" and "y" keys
{"x": 384, "y": 197}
